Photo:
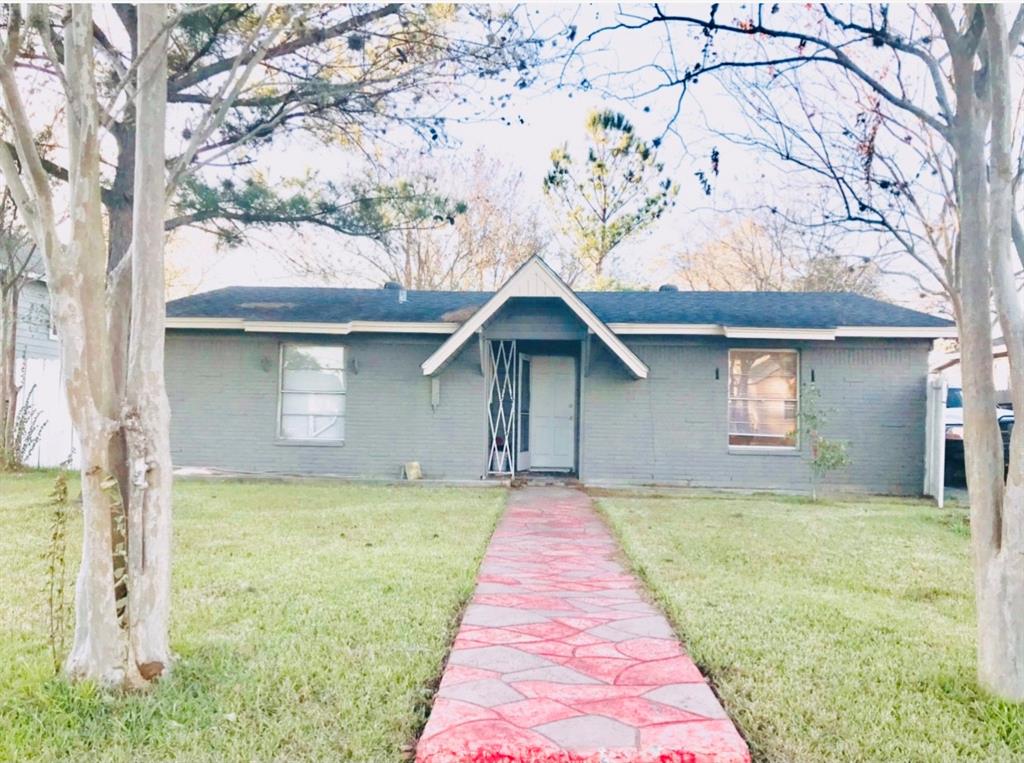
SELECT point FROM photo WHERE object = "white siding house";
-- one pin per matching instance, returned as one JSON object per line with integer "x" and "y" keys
{"x": 39, "y": 375}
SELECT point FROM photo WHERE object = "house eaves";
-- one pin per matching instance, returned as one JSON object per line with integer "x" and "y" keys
{"x": 758, "y": 332}
{"x": 307, "y": 327}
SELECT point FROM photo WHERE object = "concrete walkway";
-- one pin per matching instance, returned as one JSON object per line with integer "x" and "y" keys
{"x": 560, "y": 658}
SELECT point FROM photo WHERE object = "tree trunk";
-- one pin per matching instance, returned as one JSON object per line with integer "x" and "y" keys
{"x": 111, "y": 346}
{"x": 984, "y": 452}
{"x": 78, "y": 286}
{"x": 984, "y": 196}
{"x": 1001, "y": 563}
{"x": 119, "y": 312}
{"x": 99, "y": 649}
{"x": 147, "y": 411}
{"x": 120, "y": 227}
{"x": 8, "y": 373}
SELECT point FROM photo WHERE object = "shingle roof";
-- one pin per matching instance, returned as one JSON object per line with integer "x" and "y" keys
{"x": 727, "y": 308}
{"x": 325, "y": 305}
{"x": 756, "y": 309}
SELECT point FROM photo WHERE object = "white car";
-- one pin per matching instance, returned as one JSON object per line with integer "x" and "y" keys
{"x": 954, "y": 415}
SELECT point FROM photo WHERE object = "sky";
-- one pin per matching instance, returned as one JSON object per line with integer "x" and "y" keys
{"x": 544, "y": 116}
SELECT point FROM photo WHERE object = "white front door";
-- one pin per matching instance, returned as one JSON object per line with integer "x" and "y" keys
{"x": 552, "y": 412}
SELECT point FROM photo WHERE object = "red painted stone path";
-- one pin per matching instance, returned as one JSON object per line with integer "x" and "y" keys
{"x": 561, "y": 659}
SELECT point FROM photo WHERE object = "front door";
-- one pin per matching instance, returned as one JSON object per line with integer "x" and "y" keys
{"x": 552, "y": 412}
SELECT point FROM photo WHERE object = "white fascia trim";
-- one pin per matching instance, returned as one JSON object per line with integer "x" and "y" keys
{"x": 519, "y": 285}
{"x": 673, "y": 329}
{"x": 905, "y": 332}
{"x": 750, "y": 332}
{"x": 714, "y": 329}
{"x": 745, "y": 332}
{"x": 299, "y": 327}
{"x": 351, "y": 327}
{"x": 223, "y": 324}
{"x": 609, "y": 335}
{"x": 407, "y": 327}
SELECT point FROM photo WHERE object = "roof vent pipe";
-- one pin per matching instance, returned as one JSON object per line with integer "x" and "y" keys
{"x": 668, "y": 287}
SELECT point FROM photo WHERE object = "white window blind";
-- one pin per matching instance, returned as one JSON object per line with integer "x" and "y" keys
{"x": 312, "y": 393}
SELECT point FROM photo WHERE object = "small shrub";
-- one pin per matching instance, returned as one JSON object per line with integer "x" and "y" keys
{"x": 56, "y": 571}
{"x": 826, "y": 455}
{"x": 27, "y": 428}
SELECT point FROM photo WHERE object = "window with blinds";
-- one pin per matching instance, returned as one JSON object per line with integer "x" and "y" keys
{"x": 763, "y": 398}
{"x": 312, "y": 393}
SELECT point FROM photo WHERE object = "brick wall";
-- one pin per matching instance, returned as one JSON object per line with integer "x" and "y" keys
{"x": 672, "y": 427}
{"x": 669, "y": 428}
{"x": 223, "y": 392}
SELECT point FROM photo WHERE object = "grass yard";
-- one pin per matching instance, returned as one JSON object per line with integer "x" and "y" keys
{"x": 310, "y": 620}
{"x": 837, "y": 631}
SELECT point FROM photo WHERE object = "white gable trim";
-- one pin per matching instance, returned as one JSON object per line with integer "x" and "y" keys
{"x": 534, "y": 279}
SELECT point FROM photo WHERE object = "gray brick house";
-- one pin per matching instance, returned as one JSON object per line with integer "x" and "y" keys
{"x": 666, "y": 387}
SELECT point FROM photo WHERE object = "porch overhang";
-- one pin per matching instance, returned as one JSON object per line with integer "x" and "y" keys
{"x": 535, "y": 278}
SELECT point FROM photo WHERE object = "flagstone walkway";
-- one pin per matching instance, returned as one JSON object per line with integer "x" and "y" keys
{"x": 561, "y": 659}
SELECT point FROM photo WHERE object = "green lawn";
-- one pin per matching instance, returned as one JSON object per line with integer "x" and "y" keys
{"x": 310, "y": 620}
{"x": 833, "y": 632}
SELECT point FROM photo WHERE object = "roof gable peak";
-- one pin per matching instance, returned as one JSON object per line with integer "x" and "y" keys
{"x": 535, "y": 278}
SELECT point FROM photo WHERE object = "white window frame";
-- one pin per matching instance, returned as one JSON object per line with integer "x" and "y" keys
{"x": 281, "y": 437}
{"x": 766, "y": 448}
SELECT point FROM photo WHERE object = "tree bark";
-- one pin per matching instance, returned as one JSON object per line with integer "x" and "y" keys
{"x": 147, "y": 411}
{"x": 120, "y": 199}
{"x": 78, "y": 284}
{"x": 8, "y": 374}
{"x": 119, "y": 206}
{"x": 984, "y": 189}
{"x": 984, "y": 456}
{"x": 1000, "y": 575}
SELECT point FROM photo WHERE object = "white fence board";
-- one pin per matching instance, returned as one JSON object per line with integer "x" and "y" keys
{"x": 58, "y": 443}
{"x": 935, "y": 439}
